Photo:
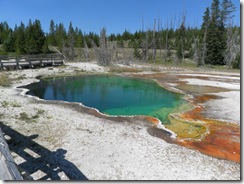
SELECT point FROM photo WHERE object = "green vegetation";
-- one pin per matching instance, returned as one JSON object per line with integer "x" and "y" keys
{"x": 40, "y": 111}
{"x": 15, "y": 104}
{"x": 31, "y": 118}
{"x": 216, "y": 42}
{"x": 4, "y": 80}
{"x": 23, "y": 39}
{"x": 5, "y": 104}
{"x": 24, "y": 116}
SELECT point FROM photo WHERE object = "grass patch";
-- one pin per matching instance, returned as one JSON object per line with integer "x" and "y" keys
{"x": 1, "y": 115}
{"x": 4, "y": 80}
{"x": 21, "y": 77}
{"x": 5, "y": 104}
{"x": 29, "y": 119}
{"x": 15, "y": 104}
{"x": 24, "y": 116}
{"x": 40, "y": 111}
{"x": 114, "y": 69}
{"x": 32, "y": 118}
{"x": 35, "y": 116}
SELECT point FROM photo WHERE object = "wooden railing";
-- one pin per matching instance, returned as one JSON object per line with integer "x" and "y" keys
{"x": 30, "y": 61}
{"x": 8, "y": 168}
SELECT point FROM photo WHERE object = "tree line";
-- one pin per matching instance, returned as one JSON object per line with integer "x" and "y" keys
{"x": 216, "y": 42}
{"x": 23, "y": 39}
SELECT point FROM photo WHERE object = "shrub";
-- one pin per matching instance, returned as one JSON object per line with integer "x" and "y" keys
{"x": 24, "y": 116}
{"x": 3, "y": 52}
{"x": 237, "y": 64}
{"x": 4, "y": 80}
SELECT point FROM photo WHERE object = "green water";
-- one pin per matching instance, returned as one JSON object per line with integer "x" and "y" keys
{"x": 110, "y": 94}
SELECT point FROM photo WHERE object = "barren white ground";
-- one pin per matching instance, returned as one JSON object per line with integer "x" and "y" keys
{"x": 106, "y": 150}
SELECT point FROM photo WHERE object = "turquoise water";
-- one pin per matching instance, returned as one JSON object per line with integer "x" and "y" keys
{"x": 110, "y": 94}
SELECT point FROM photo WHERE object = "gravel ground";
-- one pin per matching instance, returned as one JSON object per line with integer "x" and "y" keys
{"x": 57, "y": 142}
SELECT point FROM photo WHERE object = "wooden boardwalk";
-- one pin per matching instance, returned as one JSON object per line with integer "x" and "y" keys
{"x": 8, "y": 168}
{"x": 30, "y": 61}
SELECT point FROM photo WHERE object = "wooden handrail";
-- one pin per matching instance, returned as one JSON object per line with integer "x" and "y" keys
{"x": 18, "y": 62}
{"x": 8, "y": 168}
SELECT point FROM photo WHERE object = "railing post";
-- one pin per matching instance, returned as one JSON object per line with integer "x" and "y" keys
{"x": 30, "y": 64}
{"x": 62, "y": 57}
{"x": 17, "y": 63}
{"x": 1, "y": 63}
{"x": 52, "y": 60}
{"x": 41, "y": 63}
{"x": 2, "y": 66}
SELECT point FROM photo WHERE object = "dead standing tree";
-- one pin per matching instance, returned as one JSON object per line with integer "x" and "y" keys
{"x": 154, "y": 42}
{"x": 233, "y": 47}
{"x": 196, "y": 51}
{"x": 145, "y": 48}
{"x": 204, "y": 49}
{"x": 103, "y": 53}
{"x": 86, "y": 51}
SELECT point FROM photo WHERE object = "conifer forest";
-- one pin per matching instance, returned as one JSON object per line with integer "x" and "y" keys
{"x": 215, "y": 42}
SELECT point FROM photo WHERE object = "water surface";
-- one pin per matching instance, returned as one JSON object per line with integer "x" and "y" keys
{"x": 110, "y": 94}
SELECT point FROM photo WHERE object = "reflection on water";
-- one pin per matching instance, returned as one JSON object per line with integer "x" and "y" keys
{"x": 114, "y": 95}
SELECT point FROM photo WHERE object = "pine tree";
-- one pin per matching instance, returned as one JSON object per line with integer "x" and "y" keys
{"x": 79, "y": 40}
{"x": 232, "y": 50}
{"x": 60, "y": 35}
{"x": 39, "y": 36}
{"x": 215, "y": 35}
{"x": 181, "y": 41}
{"x": 45, "y": 48}
{"x": 204, "y": 29}
{"x": 227, "y": 12}
{"x": 206, "y": 19}
{"x": 51, "y": 35}
{"x": 8, "y": 44}
{"x": 71, "y": 41}
{"x": 20, "y": 39}
{"x": 5, "y": 31}
{"x": 1, "y": 33}
{"x": 29, "y": 40}
{"x": 214, "y": 45}
{"x": 35, "y": 38}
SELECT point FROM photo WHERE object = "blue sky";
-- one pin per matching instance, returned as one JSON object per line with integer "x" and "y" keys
{"x": 115, "y": 15}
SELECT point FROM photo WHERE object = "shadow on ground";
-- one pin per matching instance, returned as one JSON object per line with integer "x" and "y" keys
{"x": 37, "y": 159}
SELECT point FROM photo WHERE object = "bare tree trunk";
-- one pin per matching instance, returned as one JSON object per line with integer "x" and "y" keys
{"x": 204, "y": 52}
{"x": 172, "y": 22}
{"x": 233, "y": 47}
{"x": 71, "y": 50}
{"x": 160, "y": 37}
{"x": 166, "y": 44}
{"x": 86, "y": 51}
{"x": 142, "y": 24}
{"x": 182, "y": 50}
{"x": 153, "y": 44}
{"x": 146, "y": 48}
{"x": 103, "y": 53}
{"x": 182, "y": 40}
{"x": 196, "y": 57}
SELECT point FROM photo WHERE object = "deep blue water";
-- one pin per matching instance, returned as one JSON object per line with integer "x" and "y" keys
{"x": 110, "y": 94}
